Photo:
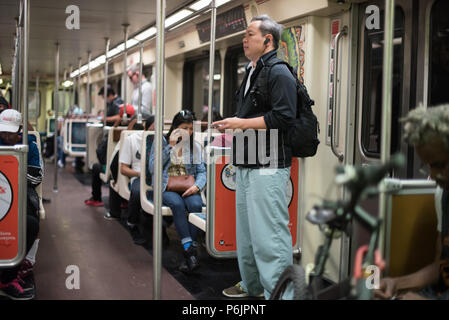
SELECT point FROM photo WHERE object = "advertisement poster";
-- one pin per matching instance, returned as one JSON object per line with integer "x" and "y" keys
{"x": 9, "y": 207}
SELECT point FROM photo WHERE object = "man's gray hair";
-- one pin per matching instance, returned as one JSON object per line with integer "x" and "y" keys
{"x": 269, "y": 26}
{"x": 133, "y": 68}
{"x": 422, "y": 125}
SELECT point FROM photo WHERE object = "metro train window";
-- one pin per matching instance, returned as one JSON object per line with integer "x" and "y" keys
{"x": 235, "y": 63}
{"x": 196, "y": 85}
{"x": 439, "y": 54}
{"x": 34, "y": 99}
{"x": 372, "y": 86}
{"x": 63, "y": 101}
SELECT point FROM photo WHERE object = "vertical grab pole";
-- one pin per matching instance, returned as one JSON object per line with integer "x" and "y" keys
{"x": 105, "y": 95}
{"x": 157, "y": 194}
{"x": 19, "y": 60}
{"x": 139, "y": 113}
{"x": 125, "y": 73}
{"x": 79, "y": 83}
{"x": 64, "y": 78}
{"x": 13, "y": 68}
{"x": 56, "y": 100}
{"x": 209, "y": 118}
{"x": 384, "y": 198}
{"x": 38, "y": 102}
{"x": 19, "y": 104}
{"x": 26, "y": 38}
{"x": 72, "y": 89}
{"x": 88, "y": 106}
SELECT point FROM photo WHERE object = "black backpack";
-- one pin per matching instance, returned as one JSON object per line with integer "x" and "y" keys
{"x": 303, "y": 136}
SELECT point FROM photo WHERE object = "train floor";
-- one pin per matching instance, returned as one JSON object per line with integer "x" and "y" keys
{"x": 75, "y": 237}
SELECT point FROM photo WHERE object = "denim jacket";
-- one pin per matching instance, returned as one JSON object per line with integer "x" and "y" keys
{"x": 195, "y": 166}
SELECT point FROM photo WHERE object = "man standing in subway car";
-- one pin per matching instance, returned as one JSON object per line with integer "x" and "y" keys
{"x": 264, "y": 243}
{"x": 428, "y": 131}
{"x": 147, "y": 91}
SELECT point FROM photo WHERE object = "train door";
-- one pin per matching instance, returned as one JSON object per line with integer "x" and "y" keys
{"x": 369, "y": 100}
{"x": 326, "y": 52}
{"x": 421, "y": 42}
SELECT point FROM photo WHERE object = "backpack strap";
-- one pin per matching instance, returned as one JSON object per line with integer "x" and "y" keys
{"x": 268, "y": 67}
{"x": 306, "y": 101}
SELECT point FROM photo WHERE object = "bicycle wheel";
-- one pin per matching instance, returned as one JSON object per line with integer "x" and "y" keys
{"x": 296, "y": 275}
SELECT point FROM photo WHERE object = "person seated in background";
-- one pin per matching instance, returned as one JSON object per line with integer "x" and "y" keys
{"x": 181, "y": 158}
{"x": 129, "y": 165}
{"x": 112, "y": 106}
{"x": 17, "y": 283}
{"x": 95, "y": 200}
{"x": 428, "y": 131}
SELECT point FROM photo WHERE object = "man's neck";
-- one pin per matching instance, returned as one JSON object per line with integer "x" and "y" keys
{"x": 254, "y": 61}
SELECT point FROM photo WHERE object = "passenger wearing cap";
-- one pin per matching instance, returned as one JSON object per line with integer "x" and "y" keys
{"x": 13, "y": 283}
{"x": 10, "y": 125}
{"x": 147, "y": 90}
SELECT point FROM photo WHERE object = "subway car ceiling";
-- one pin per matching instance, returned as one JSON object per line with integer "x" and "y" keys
{"x": 98, "y": 19}
{"x": 102, "y": 19}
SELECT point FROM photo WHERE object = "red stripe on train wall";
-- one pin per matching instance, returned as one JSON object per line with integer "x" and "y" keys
{"x": 9, "y": 207}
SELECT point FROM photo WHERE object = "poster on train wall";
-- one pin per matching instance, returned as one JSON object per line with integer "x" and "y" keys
{"x": 335, "y": 28}
{"x": 9, "y": 207}
{"x": 292, "y": 48}
{"x": 224, "y": 223}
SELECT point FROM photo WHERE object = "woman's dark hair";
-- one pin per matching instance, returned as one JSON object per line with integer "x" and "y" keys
{"x": 183, "y": 116}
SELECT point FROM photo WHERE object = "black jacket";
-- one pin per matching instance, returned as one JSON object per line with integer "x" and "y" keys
{"x": 278, "y": 114}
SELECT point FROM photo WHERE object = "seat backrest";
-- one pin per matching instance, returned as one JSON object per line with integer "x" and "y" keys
{"x": 94, "y": 135}
{"x": 144, "y": 187}
{"x": 147, "y": 205}
{"x": 65, "y": 135}
{"x": 110, "y": 149}
{"x": 413, "y": 231}
{"x": 122, "y": 184}
{"x": 77, "y": 138}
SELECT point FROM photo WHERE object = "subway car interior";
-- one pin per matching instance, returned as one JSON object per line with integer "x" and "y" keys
{"x": 96, "y": 85}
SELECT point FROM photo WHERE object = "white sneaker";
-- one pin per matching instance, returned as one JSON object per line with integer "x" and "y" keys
{"x": 60, "y": 164}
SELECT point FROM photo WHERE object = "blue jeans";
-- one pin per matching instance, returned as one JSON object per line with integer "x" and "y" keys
{"x": 178, "y": 205}
{"x": 134, "y": 202}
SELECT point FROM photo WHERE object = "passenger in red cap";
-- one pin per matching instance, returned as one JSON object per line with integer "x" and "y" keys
{"x": 129, "y": 111}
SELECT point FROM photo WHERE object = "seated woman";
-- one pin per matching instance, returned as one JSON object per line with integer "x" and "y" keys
{"x": 182, "y": 156}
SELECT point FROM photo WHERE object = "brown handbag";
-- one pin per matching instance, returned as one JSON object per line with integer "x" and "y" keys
{"x": 180, "y": 184}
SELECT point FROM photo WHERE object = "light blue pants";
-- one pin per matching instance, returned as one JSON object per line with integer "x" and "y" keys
{"x": 264, "y": 242}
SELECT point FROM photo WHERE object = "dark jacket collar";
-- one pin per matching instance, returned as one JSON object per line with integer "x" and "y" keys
{"x": 263, "y": 59}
